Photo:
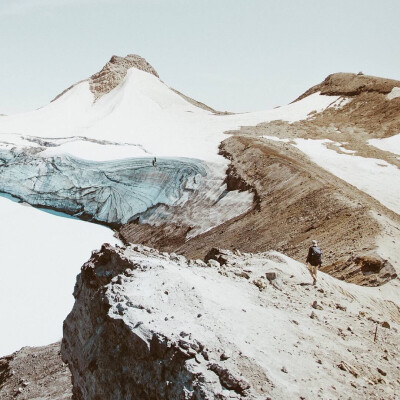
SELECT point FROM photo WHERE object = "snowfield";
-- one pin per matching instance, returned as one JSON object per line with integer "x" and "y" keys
{"x": 95, "y": 151}
{"x": 143, "y": 110}
{"x": 376, "y": 177}
{"x": 41, "y": 256}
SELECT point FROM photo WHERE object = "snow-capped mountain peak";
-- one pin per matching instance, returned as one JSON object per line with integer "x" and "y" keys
{"x": 112, "y": 74}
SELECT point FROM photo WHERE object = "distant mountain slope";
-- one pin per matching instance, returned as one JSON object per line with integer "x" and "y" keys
{"x": 126, "y": 102}
{"x": 374, "y": 109}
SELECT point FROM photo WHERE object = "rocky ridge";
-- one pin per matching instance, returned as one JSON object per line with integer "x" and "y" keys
{"x": 349, "y": 84}
{"x": 155, "y": 325}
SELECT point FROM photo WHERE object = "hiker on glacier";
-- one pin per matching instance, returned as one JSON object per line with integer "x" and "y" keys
{"x": 314, "y": 259}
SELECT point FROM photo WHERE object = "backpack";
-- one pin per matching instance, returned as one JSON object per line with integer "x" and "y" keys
{"x": 316, "y": 255}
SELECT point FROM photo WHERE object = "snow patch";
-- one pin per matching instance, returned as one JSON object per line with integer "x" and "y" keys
{"x": 95, "y": 151}
{"x": 375, "y": 177}
{"x": 391, "y": 144}
{"x": 347, "y": 151}
{"x": 394, "y": 93}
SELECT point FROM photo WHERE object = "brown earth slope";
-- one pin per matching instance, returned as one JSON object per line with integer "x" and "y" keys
{"x": 295, "y": 202}
{"x": 35, "y": 373}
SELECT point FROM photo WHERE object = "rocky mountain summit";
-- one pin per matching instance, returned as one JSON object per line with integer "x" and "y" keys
{"x": 112, "y": 74}
{"x": 153, "y": 325}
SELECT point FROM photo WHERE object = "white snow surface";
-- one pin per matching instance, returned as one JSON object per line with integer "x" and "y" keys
{"x": 391, "y": 144}
{"x": 376, "y": 177}
{"x": 143, "y": 110}
{"x": 347, "y": 151}
{"x": 41, "y": 256}
{"x": 95, "y": 151}
{"x": 394, "y": 93}
{"x": 11, "y": 140}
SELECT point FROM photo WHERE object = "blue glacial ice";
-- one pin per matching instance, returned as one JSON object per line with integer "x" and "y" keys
{"x": 179, "y": 190}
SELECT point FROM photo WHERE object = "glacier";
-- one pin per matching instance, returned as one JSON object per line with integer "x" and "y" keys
{"x": 118, "y": 191}
{"x": 109, "y": 191}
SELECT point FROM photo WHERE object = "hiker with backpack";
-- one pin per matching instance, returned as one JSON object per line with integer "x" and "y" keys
{"x": 314, "y": 259}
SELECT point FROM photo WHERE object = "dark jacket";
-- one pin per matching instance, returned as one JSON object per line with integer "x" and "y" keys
{"x": 314, "y": 256}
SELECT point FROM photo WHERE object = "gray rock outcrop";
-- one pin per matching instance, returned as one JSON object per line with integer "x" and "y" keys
{"x": 146, "y": 363}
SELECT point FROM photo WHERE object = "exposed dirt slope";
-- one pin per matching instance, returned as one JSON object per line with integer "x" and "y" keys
{"x": 35, "y": 373}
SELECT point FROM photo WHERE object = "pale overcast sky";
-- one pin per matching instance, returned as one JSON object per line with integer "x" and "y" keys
{"x": 236, "y": 55}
